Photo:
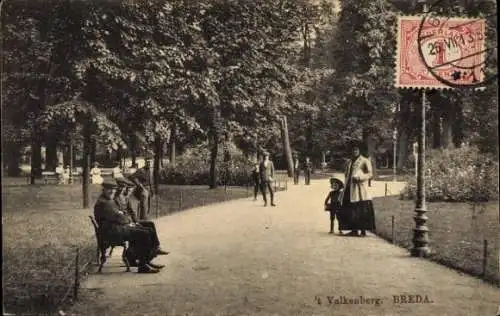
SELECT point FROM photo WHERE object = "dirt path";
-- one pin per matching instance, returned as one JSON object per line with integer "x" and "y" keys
{"x": 239, "y": 258}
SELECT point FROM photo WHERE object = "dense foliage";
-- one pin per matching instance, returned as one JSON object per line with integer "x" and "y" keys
{"x": 457, "y": 175}
{"x": 193, "y": 168}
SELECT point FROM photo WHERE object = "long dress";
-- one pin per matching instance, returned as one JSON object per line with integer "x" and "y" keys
{"x": 356, "y": 215}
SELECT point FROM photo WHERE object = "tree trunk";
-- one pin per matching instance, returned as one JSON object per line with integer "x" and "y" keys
{"x": 87, "y": 143}
{"x": 12, "y": 158}
{"x": 93, "y": 151}
{"x": 133, "y": 149}
{"x": 51, "y": 153}
{"x": 309, "y": 138}
{"x": 36, "y": 159}
{"x": 402, "y": 150}
{"x": 286, "y": 146}
{"x": 447, "y": 133}
{"x": 458, "y": 128}
{"x": 213, "y": 160}
{"x": 173, "y": 136}
{"x": 119, "y": 157}
{"x": 66, "y": 155}
{"x": 369, "y": 141}
{"x": 158, "y": 149}
{"x": 436, "y": 129}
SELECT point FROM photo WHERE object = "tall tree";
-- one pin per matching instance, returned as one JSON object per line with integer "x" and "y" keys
{"x": 362, "y": 84}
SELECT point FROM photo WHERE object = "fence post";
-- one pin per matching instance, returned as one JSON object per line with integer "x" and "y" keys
{"x": 77, "y": 273}
{"x": 485, "y": 258}
{"x": 386, "y": 189}
{"x": 392, "y": 229}
{"x": 286, "y": 184}
{"x": 180, "y": 200}
{"x": 274, "y": 185}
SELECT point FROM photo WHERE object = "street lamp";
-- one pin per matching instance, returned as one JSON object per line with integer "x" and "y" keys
{"x": 420, "y": 232}
{"x": 394, "y": 141}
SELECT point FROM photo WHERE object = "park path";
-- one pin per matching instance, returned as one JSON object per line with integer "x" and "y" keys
{"x": 239, "y": 258}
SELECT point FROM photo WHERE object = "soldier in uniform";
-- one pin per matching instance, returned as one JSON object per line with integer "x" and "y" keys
{"x": 144, "y": 188}
{"x": 296, "y": 170}
{"x": 266, "y": 170}
{"x": 307, "y": 170}
{"x": 115, "y": 224}
{"x": 123, "y": 200}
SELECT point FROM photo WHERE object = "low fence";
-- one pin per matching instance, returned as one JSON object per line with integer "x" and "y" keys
{"x": 179, "y": 200}
{"x": 46, "y": 295}
{"x": 58, "y": 288}
{"x": 461, "y": 236}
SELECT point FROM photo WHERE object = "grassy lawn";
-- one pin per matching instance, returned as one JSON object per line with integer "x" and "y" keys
{"x": 456, "y": 232}
{"x": 44, "y": 224}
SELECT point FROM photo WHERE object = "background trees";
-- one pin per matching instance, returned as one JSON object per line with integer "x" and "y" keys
{"x": 226, "y": 71}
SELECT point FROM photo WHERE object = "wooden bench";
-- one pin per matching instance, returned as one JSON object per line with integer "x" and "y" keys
{"x": 103, "y": 244}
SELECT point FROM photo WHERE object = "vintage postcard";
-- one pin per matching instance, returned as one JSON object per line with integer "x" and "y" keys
{"x": 250, "y": 157}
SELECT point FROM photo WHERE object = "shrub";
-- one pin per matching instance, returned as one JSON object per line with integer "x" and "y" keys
{"x": 461, "y": 174}
{"x": 193, "y": 168}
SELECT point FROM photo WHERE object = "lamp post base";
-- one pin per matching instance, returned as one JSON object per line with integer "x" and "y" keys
{"x": 420, "y": 235}
{"x": 421, "y": 252}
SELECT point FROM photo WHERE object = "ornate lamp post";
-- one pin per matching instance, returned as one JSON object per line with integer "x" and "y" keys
{"x": 420, "y": 232}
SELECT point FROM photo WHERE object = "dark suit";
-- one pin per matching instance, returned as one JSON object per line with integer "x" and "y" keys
{"x": 307, "y": 171}
{"x": 296, "y": 171}
{"x": 125, "y": 206}
{"x": 266, "y": 177}
{"x": 116, "y": 225}
{"x": 142, "y": 178}
{"x": 256, "y": 182}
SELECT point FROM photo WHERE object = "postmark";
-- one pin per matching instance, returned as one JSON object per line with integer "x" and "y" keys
{"x": 440, "y": 52}
{"x": 458, "y": 46}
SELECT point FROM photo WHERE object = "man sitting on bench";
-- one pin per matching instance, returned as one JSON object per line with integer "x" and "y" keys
{"x": 115, "y": 224}
{"x": 122, "y": 199}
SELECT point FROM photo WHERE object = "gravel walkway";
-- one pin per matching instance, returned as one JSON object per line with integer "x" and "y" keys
{"x": 239, "y": 258}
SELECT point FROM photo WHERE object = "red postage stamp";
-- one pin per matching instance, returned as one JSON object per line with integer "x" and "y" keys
{"x": 439, "y": 52}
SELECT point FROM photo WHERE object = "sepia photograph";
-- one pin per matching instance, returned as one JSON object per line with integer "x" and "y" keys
{"x": 250, "y": 157}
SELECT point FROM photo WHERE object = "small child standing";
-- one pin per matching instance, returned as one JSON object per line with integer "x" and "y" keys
{"x": 333, "y": 202}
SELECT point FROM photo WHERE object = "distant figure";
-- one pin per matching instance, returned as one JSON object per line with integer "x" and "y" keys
{"x": 67, "y": 175}
{"x": 60, "y": 173}
{"x": 296, "y": 170}
{"x": 333, "y": 202}
{"x": 256, "y": 181}
{"x": 133, "y": 169}
{"x": 266, "y": 170}
{"x": 323, "y": 166}
{"x": 117, "y": 172}
{"x": 144, "y": 188}
{"x": 95, "y": 174}
{"x": 307, "y": 170}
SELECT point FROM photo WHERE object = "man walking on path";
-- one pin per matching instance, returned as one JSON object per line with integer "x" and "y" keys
{"x": 256, "y": 181}
{"x": 266, "y": 177}
{"x": 307, "y": 170}
{"x": 142, "y": 179}
{"x": 296, "y": 170}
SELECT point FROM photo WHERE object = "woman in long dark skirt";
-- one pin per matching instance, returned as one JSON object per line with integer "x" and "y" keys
{"x": 357, "y": 208}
